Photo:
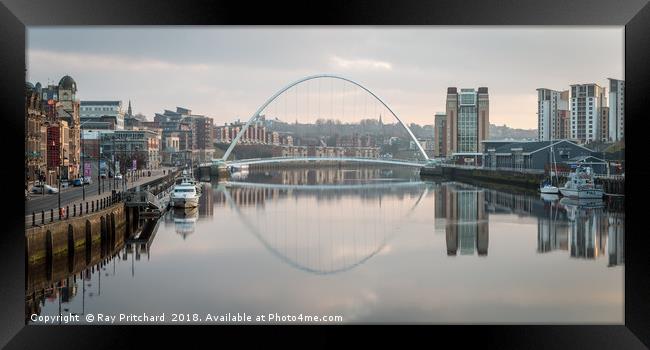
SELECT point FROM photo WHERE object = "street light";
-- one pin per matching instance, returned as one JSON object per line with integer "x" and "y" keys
{"x": 62, "y": 155}
{"x": 115, "y": 157}
{"x": 99, "y": 169}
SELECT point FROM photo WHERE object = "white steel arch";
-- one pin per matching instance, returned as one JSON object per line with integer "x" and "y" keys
{"x": 317, "y": 76}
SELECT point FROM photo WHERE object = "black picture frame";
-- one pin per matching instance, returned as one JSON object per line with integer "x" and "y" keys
{"x": 634, "y": 15}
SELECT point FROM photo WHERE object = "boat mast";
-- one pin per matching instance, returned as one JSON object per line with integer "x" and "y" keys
{"x": 553, "y": 166}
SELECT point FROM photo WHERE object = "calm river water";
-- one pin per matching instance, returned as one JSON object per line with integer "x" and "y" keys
{"x": 370, "y": 245}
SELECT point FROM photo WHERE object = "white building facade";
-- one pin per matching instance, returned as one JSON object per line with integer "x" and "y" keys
{"x": 97, "y": 109}
{"x": 586, "y": 102}
{"x": 551, "y": 107}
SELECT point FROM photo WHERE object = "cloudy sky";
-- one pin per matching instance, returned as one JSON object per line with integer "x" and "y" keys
{"x": 228, "y": 72}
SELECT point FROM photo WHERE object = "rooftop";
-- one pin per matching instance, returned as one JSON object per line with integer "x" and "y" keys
{"x": 581, "y": 159}
{"x": 531, "y": 146}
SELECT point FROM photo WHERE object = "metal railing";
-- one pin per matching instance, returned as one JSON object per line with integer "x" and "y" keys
{"x": 72, "y": 210}
{"x": 89, "y": 206}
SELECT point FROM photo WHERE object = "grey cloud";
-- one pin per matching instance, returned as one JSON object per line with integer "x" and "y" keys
{"x": 245, "y": 65}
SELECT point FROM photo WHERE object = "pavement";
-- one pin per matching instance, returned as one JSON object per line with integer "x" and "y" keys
{"x": 74, "y": 195}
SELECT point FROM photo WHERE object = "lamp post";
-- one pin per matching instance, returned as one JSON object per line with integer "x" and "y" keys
{"x": 99, "y": 176}
{"x": 61, "y": 156}
{"x": 114, "y": 170}
{"x": 83, "y": 159}
{"x": 83, "y": 165}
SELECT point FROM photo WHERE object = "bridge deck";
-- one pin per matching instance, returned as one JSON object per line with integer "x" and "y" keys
{"x": 387, "y": 161}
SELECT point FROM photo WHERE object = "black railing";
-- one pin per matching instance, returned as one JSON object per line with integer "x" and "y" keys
{"x": 64, "y": 212}
{"x": 157, "y": 186}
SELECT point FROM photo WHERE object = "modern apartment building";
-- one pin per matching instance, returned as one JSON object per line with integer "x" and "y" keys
{"x": 468, "y": 120}
{"x": 586, "y": 103}
{"x": 552, "y": 114}
{"x": 616, "y": 109}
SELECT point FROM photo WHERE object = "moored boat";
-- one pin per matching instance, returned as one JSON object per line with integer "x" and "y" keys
{"x": 188, "y": 178}
{"x": 548, "y": 188}
{"x": 184, "y": 195}
{"x": 581, "y": 185}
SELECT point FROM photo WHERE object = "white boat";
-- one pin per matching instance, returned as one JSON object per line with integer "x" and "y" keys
{"x": 547, "y": 188}
{"x": 184, "y": 195}
{"x": 188, "y": 178}
{"x": 581, "y": 185}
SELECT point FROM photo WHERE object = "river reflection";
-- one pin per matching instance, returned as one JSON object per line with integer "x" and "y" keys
{"x": 372, "y": 245}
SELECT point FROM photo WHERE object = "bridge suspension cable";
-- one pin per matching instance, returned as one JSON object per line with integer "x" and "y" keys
{"x": 377, "y": 102}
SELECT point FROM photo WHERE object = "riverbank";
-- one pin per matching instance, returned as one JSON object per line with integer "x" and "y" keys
{"x": 527, "y": 180}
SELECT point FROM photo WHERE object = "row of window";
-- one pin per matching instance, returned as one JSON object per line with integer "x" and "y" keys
{"x": 98, "y": 109}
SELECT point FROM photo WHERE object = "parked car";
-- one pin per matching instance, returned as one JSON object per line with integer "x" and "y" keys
{"x": 118, "y": 176}
{"x": 38, "y": 188}
{"x": 87, "y": 180}
{"x": 77, "y": 182}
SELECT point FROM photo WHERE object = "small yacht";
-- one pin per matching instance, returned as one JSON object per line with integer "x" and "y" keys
{"x": 548, "y": 188}
{"x": 581, "y": 185}
{"x": 184, "y": 195}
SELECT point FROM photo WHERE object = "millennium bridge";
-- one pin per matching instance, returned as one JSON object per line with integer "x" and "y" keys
{"x": 224, "y": 164}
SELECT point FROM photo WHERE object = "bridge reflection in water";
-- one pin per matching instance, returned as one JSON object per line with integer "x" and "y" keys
{"x": 313, "y": 233}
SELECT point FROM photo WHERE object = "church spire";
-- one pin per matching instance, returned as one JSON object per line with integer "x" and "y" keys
{"x": 129, "y": 112}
